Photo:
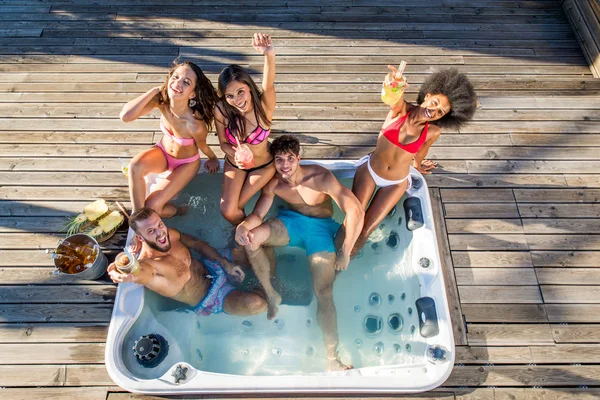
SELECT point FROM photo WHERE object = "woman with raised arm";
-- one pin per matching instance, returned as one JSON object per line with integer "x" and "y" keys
{"x": 446, "y": 100}
{"x": 186, "y": 103}
{"x": 243, "y": 118}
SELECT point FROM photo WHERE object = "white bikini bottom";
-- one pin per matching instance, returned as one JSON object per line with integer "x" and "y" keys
{"x": 379, "y": 181}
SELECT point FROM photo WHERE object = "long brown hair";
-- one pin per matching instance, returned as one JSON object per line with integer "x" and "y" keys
{"x": 237, "y": 122}
{"x": 206, "y": 95}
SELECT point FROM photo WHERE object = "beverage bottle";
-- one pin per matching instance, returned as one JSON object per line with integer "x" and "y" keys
{"x": 84, "y": 251}
{"x": 393, "y": 88}
{"x": 244, "y": 155}
{"x": 67, "y": 264}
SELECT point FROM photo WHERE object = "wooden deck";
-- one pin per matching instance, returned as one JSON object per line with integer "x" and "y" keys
{"x": 518, "y": 188}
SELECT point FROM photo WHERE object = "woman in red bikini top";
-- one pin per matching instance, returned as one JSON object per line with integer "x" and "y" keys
{"x": 446, "y": 100}
{"x": 243, "y": 119}
{"x": 186, "y": 103}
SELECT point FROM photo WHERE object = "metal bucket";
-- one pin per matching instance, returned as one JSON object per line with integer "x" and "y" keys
{"x": 99, "y": 265}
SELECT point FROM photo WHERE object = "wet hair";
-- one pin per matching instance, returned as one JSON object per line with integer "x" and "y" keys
{"x": 206, "y": 95}
{"x": 140, "y": 215}
{"x": 236, "y": 121}
{"x": 460, "y": 93}
{"x": 285, "y": 144}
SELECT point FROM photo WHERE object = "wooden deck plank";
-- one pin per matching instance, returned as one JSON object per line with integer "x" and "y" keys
{"x": 568, "y": 276}
{"x": 570, "y": 293}
{"x": 52, "y": 353}
{"x": 575, "y": 313}
{"x": 53, "y": 333}
{"x": 509, "y": 334}
{"x": 500, "y": 294}
{"x": 507, "y": 312}
{"x": 491, "y": 259}
{"x": 496, "y": 276}
{"x": 575, "y": 333}
{"x": 523, "y": 375}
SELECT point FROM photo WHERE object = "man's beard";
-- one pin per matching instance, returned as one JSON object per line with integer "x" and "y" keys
{"x": 155, "y": 246}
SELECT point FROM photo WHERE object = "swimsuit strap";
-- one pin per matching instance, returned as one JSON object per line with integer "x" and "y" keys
{"x": 179, "y": 140}
{"x": 257, "y": 136}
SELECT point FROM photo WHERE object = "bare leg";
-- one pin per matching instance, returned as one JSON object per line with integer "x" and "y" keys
{"x": 149, "y": 161}
{"x": 244, "y": 303}
{"x": 166, "y": 190}
{"x": 363, "y": 187}
{"x": 382, "y": 203}
{"x": 321, "y": 267}
{"x": 233, "y": 181}
{"x": 270, "y": 234}
{"x": 255, "y": 181}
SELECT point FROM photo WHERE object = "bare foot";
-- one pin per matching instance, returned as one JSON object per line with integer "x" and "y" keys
{"x": 337, "y": 365}
{"x": 272, "y": 303}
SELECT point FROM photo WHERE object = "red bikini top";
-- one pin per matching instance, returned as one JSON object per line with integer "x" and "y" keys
{"x": 392, "y": 131}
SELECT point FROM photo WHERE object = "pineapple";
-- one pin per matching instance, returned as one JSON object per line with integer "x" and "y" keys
{"x": 91, "y": 213}
{"x": 111, "y": 222}
{"x": 106, "y": 226}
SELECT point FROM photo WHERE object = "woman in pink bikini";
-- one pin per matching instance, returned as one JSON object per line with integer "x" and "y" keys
{"x": 243, "y": 119}
{"x": 186, "y": 103}
{"x": 446, "y": 100}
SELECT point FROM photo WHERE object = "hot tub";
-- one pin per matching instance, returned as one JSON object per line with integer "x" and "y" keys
{"x": 393, "y": 319}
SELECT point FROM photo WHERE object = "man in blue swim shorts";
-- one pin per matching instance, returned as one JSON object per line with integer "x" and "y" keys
{"x": 167, "y": 268}
{"x": 309, "y": 191}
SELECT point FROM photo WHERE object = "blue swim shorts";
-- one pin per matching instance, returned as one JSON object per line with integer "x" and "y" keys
{"x": 212, "y": 303}
{"x": 310, "y": 233}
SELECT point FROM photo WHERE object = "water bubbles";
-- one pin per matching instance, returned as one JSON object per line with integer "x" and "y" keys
{"x": 400, "y": 221}
{"x": 408, "y": 347}
{"x": 309, "y": 322}
{"x": 373, "y": 325}
{"x": 198, "y": 325}
{"x": 413, "y": 329}
{"x": 375, "y": 300}
{"x": 356, "y": 308}
{"x": 397, "y": 348}
{"x": 247, "y": 326}
{"x": 395, "y": 322}
{"x": 378, "y": 348}
{"x": 310, "y": 351}
{"x": 278, "y": 324}
{"x": 391, "y": 298}
{"x": 358, "y": 342}
{"x": 246, "y": 352}
{"x": 276, "y": 352}
{"x": 403, "y": 296}
{"x": 410, "y": 310}
{"x": 199, "y": 354}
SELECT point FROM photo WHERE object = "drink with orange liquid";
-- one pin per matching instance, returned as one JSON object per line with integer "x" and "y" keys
{"x": 393, "y": 89}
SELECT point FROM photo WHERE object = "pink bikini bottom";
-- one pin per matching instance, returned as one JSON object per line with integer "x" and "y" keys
{"x": 173, "y": 162}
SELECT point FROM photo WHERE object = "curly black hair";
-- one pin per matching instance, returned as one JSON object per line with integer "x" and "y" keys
{"x": 460, "y": 93}
{"x": 285, "y": 144}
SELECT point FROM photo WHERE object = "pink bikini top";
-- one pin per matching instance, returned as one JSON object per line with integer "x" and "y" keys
{"x": 179, "y": 140}
{"x": 257, "y": 136}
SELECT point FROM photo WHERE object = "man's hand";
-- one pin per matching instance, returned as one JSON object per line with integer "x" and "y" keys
{"x": 425, "y": 167}
{"x": 341, "y": 261}
{"x": 235, "y": 271}
{"x": 119, "y": 277}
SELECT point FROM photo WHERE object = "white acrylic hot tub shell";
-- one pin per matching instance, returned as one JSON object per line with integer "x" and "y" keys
{"x": 389, "y": 379}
